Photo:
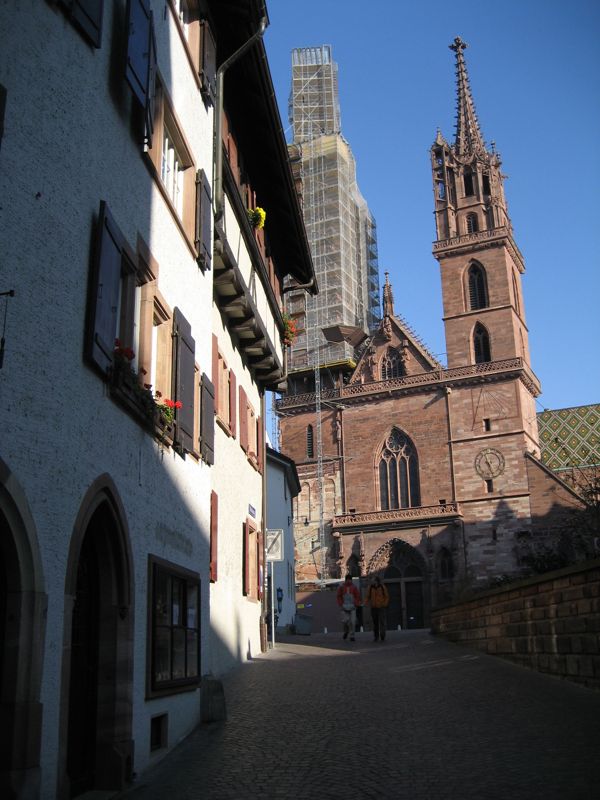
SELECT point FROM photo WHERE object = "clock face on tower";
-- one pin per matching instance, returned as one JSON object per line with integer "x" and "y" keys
{"x": 489, "y": 463}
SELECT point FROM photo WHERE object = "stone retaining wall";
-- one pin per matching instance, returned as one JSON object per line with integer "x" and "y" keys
{"x": 550, "y": 623}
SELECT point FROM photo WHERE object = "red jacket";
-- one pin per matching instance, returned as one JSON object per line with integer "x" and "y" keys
{"x": 351, "y": 588}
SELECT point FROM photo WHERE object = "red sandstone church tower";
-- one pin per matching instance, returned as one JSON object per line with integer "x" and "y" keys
{"x": 429, "y": 475}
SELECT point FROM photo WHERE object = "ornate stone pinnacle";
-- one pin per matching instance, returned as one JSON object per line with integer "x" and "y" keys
{"x": 388, "y": 299}
{"x": 458, "y": 44}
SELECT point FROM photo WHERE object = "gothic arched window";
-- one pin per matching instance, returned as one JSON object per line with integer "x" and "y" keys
{"x": 481, "y": 344}
{"x": 472, "y": 224}
{"x": 310, "y": 450}
{"x": 445, "y": 565}
{"x": 468, "y": 182}
{"x": 398, "y": 473}
{"x": 516, "y": 294}
{"x": 391, "y": 365}
{"x": 478, "y": 296}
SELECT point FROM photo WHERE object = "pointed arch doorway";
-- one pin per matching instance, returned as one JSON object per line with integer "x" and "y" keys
{"x": 403, "y": 570}
{"x": 23, "y": 609}
{"x": 96, "y": 724}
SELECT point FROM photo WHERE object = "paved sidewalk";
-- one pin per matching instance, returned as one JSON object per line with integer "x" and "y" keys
{"x": 414, "y": 717}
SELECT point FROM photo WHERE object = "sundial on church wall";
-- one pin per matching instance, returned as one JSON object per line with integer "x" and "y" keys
{"x": 492, "y": 403}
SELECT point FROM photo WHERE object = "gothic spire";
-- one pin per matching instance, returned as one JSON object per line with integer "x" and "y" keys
{"x": 468, "y": 135}
{"x": 388, "y": 299}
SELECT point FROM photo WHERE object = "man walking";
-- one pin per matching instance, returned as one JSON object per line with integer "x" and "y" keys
{"x": 378, "y": 598}
{"x": 348, "y": 599}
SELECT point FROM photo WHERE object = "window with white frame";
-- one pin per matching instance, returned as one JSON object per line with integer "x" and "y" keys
{"x": 172, "y": 169}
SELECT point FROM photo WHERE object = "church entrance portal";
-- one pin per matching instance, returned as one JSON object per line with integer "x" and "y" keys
{"x": 402, "y": 569}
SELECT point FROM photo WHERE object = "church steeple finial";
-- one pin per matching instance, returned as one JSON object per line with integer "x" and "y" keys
{"x": 388, "y": 299}
{"x": 468, "y": 138}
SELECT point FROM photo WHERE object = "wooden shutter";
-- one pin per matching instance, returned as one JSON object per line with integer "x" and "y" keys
{"x": 243, "y": 420}
{"x": 215, "y": 368}
{"x": 87, "y": 16}
{"x": 246, "y": 557}
{"x": 184, "y": 359}
{"x": 214, "y": 534}
{"x": 207, "y": 420}
{"x": 150, "y": 105}
{"x": 203, "y": 226}
{"x": 208, "y": 63}
{"x": 104, "y": 290}
{"x": 259, "y": 443}
{"x": 2, "y": 109}
{"x": 137, "y": 69}
{"x": 232, "y": 403}
{"x": 260, "y": 564}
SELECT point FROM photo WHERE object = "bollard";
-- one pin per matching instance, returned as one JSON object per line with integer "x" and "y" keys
{"x": 324, "y": 630}
{"x": 399, "y": 627}
{"x": 362, "y": 630}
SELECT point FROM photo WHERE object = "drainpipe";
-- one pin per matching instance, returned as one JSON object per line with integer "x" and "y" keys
{"x": 218, "y": 182}
{"x": 264, "y": 646}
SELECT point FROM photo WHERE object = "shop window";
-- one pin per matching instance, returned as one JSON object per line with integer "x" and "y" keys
{"x": 174, "y": 647}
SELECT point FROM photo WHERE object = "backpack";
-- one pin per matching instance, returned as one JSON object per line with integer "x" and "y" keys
{"x": 348, "y": 601}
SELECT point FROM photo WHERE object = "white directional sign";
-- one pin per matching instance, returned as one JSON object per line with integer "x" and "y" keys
{"x": 274, "y": 544}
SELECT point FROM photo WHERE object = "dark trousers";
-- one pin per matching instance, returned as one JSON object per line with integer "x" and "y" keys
{"x": 378, "y": 617}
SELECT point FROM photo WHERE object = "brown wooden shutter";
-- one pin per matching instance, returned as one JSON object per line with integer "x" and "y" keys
{"x": 259, "y": 443}
{"x": 208, "y": 63}
{"x": 214, "y": 535}
{"x": 232, "y": 403}
{"x": 243, "y": 420}
{"x": 207, "y": 420}
{"x": 139, "y": 45}
{"x": 203, "y": 226}
{"x": 260, "y": 563}
{"x": 215, "y": 368}
{"x": 87, "y": 16}
{"x": 104, "y": 290}
{"x": 184, "y": 352}
{"x": 246, "y": 557}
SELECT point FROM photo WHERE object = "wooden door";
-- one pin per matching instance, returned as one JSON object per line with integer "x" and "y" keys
{"x": 83, "y": 690}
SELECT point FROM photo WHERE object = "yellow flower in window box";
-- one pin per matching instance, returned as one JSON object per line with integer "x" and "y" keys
{"x": 257, "y": 217}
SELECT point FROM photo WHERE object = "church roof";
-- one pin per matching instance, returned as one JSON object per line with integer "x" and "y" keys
{"x": 468, "y": 139}
{"x": 570, "y": 436}
{"x": 395, "y": 333}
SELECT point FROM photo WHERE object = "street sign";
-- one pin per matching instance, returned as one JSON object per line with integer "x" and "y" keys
{"x": 275, "y": 544}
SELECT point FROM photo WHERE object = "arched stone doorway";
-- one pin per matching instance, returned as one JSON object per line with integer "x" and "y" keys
{"x": 404, "y": 572}
{"x": 23, "y": 605}
{"x": 96, "y": 695}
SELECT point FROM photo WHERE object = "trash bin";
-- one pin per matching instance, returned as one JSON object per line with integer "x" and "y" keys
{"x": 303, "y": 624}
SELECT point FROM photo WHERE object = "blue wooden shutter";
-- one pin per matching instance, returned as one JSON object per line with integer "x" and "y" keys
{"x": 207, "y": 420}
{"x": 104, "y": 294}
{"x": 183, "y": 383}
{"x": 139, "y": 43}
{"x": 87, "y": 16}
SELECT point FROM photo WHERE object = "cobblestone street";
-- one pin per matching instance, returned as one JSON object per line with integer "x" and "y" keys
{"x": 414, "y": 717}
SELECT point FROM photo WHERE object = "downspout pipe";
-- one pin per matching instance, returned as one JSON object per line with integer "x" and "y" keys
{"x": 218, "y": 182}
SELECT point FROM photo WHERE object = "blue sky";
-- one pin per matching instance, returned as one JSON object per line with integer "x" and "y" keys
{"x": 534, "y": 68}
